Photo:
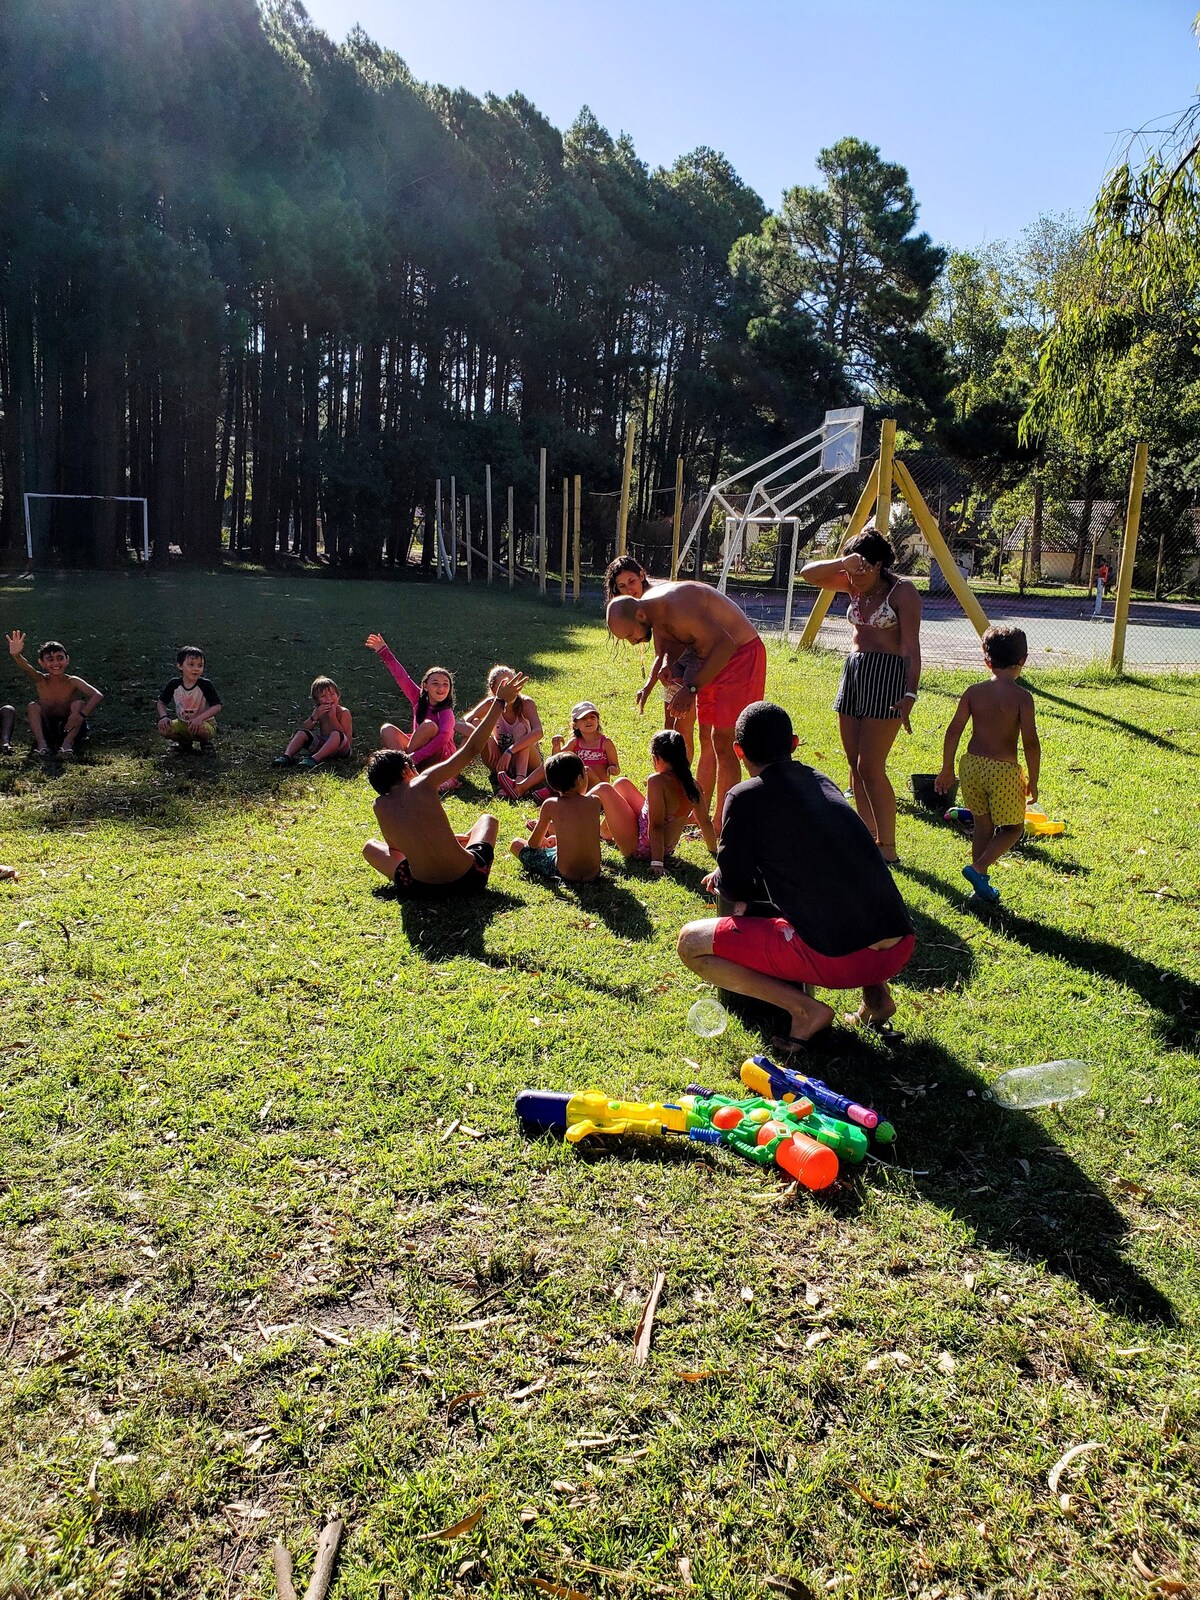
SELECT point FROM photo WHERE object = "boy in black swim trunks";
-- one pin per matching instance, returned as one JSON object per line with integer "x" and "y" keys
{"x": 420, "y": 853}
{"x": 58, "y": 717}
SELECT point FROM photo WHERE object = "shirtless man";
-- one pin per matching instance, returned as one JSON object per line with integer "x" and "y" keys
{"x": 719, "y": 658}
{"x": 420, "y": 853}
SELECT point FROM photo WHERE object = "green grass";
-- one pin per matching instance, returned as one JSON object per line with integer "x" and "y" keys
{"x": 250, "y": 1104}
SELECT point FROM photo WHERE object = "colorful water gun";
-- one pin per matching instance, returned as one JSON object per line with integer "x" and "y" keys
{"x": 758, "y": 1129}
{"x": 798, "y": 1114}
{"x": 761, "y": 1076}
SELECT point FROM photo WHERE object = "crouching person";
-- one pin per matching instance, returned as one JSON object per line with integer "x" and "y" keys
{"x": 789, "y": 837}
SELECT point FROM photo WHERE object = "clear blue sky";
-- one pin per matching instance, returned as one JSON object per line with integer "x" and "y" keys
{"x": 1000, "y": 111}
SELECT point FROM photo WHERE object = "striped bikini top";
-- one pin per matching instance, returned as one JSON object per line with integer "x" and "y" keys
{"x": 882, "y": 617}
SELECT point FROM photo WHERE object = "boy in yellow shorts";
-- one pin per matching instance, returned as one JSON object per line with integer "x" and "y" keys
{"x": 1000, "y": 712}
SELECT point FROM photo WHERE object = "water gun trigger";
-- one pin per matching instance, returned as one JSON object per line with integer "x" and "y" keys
{"x": 581, "y": 1130}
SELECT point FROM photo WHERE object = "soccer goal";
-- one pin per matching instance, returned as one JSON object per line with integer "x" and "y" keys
{"x": 70, "y": 535}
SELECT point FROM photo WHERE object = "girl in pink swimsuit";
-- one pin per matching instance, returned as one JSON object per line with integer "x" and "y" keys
{"x": 432, "y": 736}
{"x": 588, "y": 741}
{"x": 647, "y": 828}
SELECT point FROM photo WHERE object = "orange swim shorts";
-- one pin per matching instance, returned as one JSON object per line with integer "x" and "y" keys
{"x": 741, "y": 682}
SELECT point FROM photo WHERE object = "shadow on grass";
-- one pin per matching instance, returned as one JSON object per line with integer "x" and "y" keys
{"x": 1174, "y": 998}
{"x": 450, "y": 929}
{"x": 966, "y": 1154}
{"x": 1042, "y": 693}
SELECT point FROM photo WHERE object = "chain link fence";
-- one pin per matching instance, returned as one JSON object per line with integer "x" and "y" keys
{"x": 1044, "y": 556}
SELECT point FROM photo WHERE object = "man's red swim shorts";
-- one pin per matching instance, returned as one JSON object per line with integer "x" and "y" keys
{"x": 771, "y": 945}
{"x": 741, "y": 682}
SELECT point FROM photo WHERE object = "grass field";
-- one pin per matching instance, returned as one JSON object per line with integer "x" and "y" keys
{"x": 274, "y": 1248}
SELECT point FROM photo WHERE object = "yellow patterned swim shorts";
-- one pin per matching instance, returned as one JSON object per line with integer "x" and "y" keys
{"x": 993, "y": 788}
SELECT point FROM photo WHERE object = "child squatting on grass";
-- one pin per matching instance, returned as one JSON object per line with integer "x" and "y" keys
{"x": 188, "y": 703}
{"x": 993, "y": 786}
{"x": 565, "y": 842}
{"x": 324, "y": 736}
{"x": 58, "y": 717}
{"x": 420, "y": 853}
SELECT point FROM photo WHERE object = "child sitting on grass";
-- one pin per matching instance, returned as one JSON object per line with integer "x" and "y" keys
{"x": 58, "y": 717}
{"x": 515, "y": 745}
{"x": 994, "y": 788}
{"x": 324, "y": 736}
{"x": 420, "y": 853}
{"x": 648, "y": 829}
{"x": 565, "y": 842}
{"x": 588, "y": 741}
{"x": 432, "y": 736}
{"x": 188, "y": 703}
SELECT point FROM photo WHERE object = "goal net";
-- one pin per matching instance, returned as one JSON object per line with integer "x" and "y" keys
{"x": 86, "y": 530}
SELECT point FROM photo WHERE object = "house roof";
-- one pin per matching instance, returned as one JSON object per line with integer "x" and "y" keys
{"x": 1060, "y": 528}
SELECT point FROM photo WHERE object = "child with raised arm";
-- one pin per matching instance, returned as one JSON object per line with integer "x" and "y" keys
{"x": 565, "y": 842}
{"x": 58, "y": 717}
{"x": 188, "y": 703}
{"x": 420, "y": 853}
{"x": 649, "y": 828}
{"x": 515, "y": 746}
{"x": 994, "y": 788}
{"x": 324, "y": 736}
{"x": 432, "y": 736}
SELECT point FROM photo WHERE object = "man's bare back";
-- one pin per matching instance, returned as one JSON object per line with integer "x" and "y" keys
{"x": 693, "y": 616}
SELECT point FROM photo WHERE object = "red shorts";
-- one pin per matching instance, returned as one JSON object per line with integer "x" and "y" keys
{"x": 741, "y": 682}
{"x": 772, "y": 946}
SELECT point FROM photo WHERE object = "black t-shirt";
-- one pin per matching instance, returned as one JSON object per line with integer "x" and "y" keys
{"x": 189, "y": 702}
{"x": 789, "y": 836}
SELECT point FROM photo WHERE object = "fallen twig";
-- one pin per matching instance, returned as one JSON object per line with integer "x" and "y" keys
{"x": 645, "y": 1327}
{"x": 318, "y": 1584}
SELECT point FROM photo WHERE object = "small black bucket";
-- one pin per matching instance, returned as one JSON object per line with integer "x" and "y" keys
{"x": 927, "y": 796}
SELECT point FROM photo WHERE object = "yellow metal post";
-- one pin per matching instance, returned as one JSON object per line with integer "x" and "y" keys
{"x": 887, "y": 453}
{"x": 578, "y": 530}
{"x": 626, "y": 480}
{"x": 859, "y": 518}
{"x": 541, "y": 527}
{"x": 562, "y": 587}
{"x": 677, "y": 520}
{"x": 961, "y": 589}
{"x": 1133, "y": 522}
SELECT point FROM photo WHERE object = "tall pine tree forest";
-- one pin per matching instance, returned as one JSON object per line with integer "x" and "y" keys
{"x": 278, "y": 287}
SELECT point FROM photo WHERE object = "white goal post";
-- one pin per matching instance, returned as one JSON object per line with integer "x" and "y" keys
{"x": 126, "y": 499}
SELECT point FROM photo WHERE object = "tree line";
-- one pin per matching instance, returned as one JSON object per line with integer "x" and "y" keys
{"x": 278, "y": 286}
